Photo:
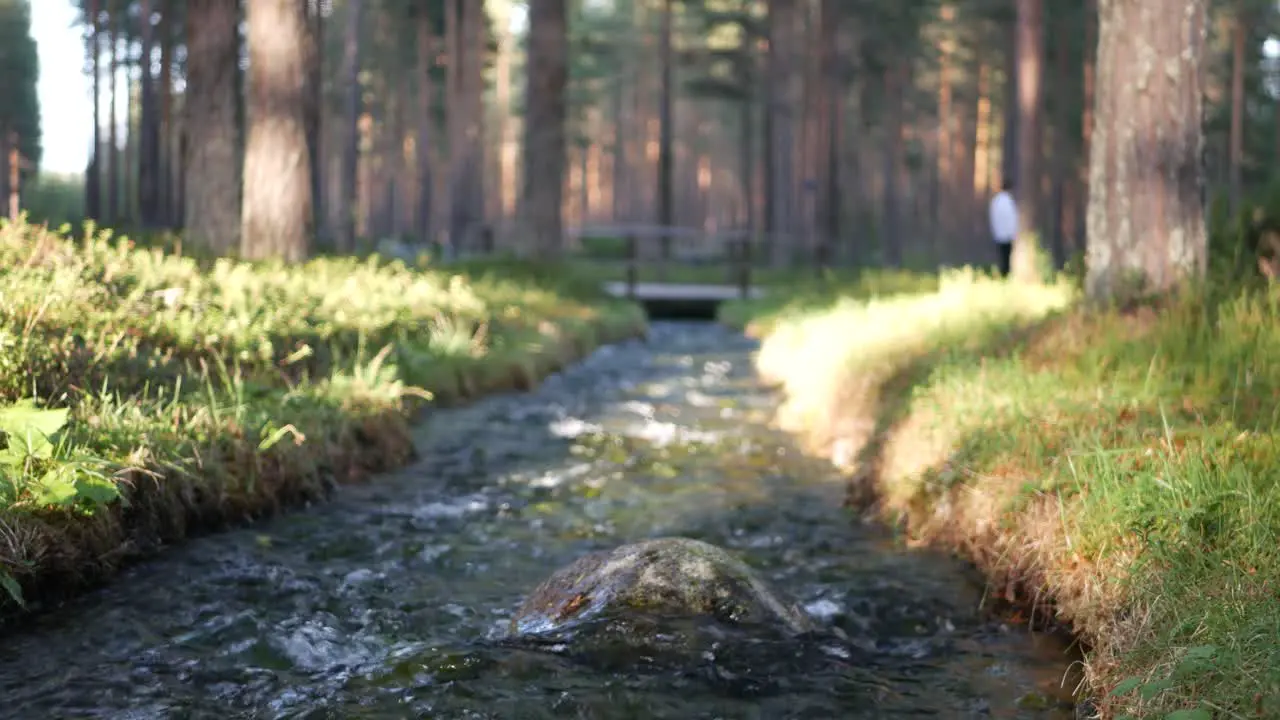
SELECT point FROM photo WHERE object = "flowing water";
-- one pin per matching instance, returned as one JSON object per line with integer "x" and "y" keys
{"x": 386, "y": 602}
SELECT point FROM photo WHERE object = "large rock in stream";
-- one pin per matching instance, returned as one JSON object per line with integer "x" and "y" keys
{"x": 625, "y": 589}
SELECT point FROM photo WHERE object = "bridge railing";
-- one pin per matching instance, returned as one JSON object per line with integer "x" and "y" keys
{"x": 736, "y": 246}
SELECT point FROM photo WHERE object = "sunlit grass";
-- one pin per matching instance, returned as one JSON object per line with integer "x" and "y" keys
{"x": 145, "y": 394}
{"x": 1117, "y": 463}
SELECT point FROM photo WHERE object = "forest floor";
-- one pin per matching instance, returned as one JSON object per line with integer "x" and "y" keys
{"x": 1111, "y": 471}
{"x": 146, "y": 396}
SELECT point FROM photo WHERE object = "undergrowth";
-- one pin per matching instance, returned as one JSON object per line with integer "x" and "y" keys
{"x": 145, "y": 395}
{"x": 1108, "y": 469}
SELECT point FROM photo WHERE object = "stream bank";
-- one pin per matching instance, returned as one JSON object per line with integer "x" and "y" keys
{"x": 385, "y": 602}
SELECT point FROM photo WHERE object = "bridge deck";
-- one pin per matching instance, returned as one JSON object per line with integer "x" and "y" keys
{"x": 680, "y": 292}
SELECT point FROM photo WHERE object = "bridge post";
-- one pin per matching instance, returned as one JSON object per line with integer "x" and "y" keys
{"x": 633, "y": 256}
{"x": 822, "y": 258}
{"x": 742, "y": 259}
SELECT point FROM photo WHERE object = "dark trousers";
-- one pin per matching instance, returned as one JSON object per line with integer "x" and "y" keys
{"x": 1004, "y": 251}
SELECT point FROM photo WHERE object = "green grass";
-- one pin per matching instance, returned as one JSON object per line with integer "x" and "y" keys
{"x": 145, "y": 395}
{"x": 1119, "y": 464}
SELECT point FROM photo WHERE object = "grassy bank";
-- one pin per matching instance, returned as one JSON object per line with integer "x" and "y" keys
{"x": 146, "y": 396}
{"x": 1112, "y": 471}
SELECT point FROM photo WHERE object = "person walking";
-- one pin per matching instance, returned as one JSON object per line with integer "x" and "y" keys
{"x": 1004, "y": 224}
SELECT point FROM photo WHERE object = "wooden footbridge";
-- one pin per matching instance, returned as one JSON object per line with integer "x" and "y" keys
{"x": 667, "y": 268}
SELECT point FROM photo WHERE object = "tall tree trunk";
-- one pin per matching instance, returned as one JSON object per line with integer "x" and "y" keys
{"x": 1063, "y": 148}
{"x": 895, "y": 80}
{"x": 1086, "y": 120}
{"x": 1012, "y": 109}
{"x": 148, "y": 123}
{"x": 547, "y": 75}
{"x": 666, "y": 127}
{"x": 942, "y": 209}
{"x": 164, "y": 127}
{"x": 314, "y": 50}
{"x": 424, "y": 216}
{"x": 983, "y": 151}
{"x": 211, "y": 184}
{"x": 782, "y": 18}
{"x": 466, "y": 110}
{"x": 345, "y": 226}
{"x": 828, "y": 205}
{"x": 1239, "y": 34}
{"x": 1030, "y": 106}
{"x": 1146, "y": 190}
{"x": 129, "y": 172}
{"x": 93, "y": 180}
{"x": 112, "y": 214}
{"x": 508, "y": 141}
{"x": 277, "y": 218}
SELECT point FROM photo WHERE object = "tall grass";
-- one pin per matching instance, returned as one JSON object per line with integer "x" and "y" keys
{"x": 144, "y": 394}
{"x": 1111, "y": 470}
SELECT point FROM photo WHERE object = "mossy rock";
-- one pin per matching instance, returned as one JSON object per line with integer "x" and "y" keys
{"x": 660, "y": 577}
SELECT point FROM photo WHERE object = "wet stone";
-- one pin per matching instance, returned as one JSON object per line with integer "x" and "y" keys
{"x": 664, "y": 576}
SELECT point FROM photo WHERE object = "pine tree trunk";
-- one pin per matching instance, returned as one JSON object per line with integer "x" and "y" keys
{"x": 211, "y": 180}
{"x": 942, "y": 209}
{"x": 1030, "y": 103}
{"x": 782, "y": 15}
{"x": 544, "y": 145}
{"x": 277, "y": 217}
{"x": 1086, "y": 120}
{"x": 164, "y": 129}
{"x": 148, "y": 124}
{"x": 112, "y": 213}
{"x": 666, "y": 128}
{"x": 1235, "y": 159}
{"x": 895, "y": 80}
{"x": 345, "y": 226}
{"x": 424, "y": 214}
{"x": 93, "y": 180}
{"x": 315, "y": 110}
{"x": 1146, "y": 191}
{"x": 1009, "y": 126}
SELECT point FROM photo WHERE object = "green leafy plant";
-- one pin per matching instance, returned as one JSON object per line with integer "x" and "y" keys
{"x": 38, "y": 469}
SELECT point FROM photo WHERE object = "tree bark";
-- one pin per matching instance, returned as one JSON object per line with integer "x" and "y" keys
{"x": 211, "y": 184}
{"x": 345, "y": 226}
{"x": 544, "y": 145}
{"x": 1146, "y": 191}
{"x": 782, "y": 18}
{"x": 424, "y": 214}
{"x": 1235, "y": 159}
{"x": 148, "y": 124}
{"x": 895, "y": 80}
{"x": 666, "y": 128}
{"x": 1030, "y": 111}
{"x": 165, "y": 194}
{"x": 466, "y": 111}
{"x": 112, "y": 213}
{"x": 314, "y": 50}
{"x": 277, "y": 219}
{"x": 93, "y": 181}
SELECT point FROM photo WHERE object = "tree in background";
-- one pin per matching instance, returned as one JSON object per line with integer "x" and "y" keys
{"x": 865, "y": 132}
{"x": 544, "y": 144}
{"x": 276, "y": 215}
{"x": 1146, "y": 200}
{"x": 212, "y": 131}
{"x": 20, "y": 107}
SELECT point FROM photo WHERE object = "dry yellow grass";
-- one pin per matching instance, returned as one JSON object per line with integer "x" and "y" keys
{"x": 1104, "y": 469}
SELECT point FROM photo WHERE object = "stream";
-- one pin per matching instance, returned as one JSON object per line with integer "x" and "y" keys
{"x": 385, "y": 602}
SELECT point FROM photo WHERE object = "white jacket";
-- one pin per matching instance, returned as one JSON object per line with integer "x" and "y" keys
{"x": 1004, "y": 217}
